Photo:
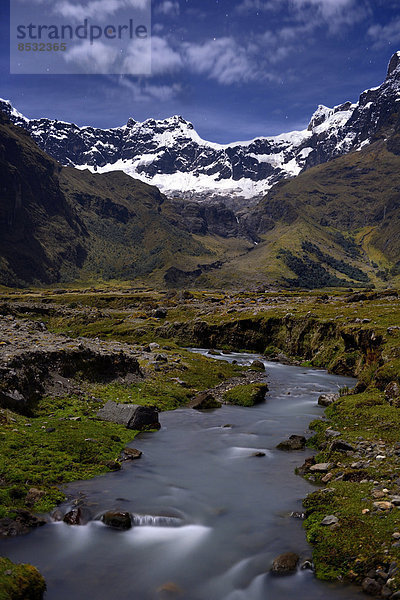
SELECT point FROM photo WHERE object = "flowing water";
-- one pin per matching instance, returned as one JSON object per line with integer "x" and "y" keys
{"x": 209, "y": 516}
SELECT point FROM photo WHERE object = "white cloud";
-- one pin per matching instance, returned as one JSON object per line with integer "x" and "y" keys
{"x": 48, "y": 2}
{"x": 137, "y": 59}
{"x": 331, "y": 13}
{"x": 382, "y": 35}
{"x": 327, "y": 8}
{"x": 92, "y": 58}
{"x": 250, "y": 6}
{"x": 164, "y": 59}
{"x": 168, "y": 7}
{"x": 221, "y": 59}
{"x": 145, "y": 92}
{"x": 158, "y": 28}
{"x": 96, "y": 8}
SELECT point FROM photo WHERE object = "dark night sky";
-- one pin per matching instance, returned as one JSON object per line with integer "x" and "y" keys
{"x": 236, "y": 68}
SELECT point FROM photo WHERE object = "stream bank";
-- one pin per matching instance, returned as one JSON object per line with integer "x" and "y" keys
{"x": 348, "y": 334}
{"x": 220, "y": 473}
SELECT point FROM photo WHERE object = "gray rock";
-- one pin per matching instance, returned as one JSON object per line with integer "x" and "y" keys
{"x": 285, "y": 564}
{"x": 205, "y": 401}
{"x": 395, "y": 500}
{"x": 330, "y": 520}
{"x": 161, "y": 358}
{"x": 21, "y": 524}
{"x": 380, "y": 574}
{"x": 131, "y": 454}
{"x": 297, "y": 515}
{"x": 57, "y": 515}
{"x": 392, "y": 393}
{"x": 342, "y": 446}
{"x": 295, "y": 442}
{"x": 13, "y": 400}
{"x": 321, "y": 468}
{"x": 133, "y": 416}
{"x": 257, "y": 365}
{"x": 327, "y": 399}
{"x": 386, "y": 592}
{"x": 392, "y": 330}
{"x": 332, "y": 433}
{"x": 371, "y": 587}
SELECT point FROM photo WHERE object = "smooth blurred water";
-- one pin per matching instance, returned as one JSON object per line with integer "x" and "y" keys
{"x": 230, "y": 510}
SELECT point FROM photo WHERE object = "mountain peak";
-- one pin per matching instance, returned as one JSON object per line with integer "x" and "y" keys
{"x": 319, "y": 116}
{"x": 7, "y": 108}
{"x": 394, "y": 63}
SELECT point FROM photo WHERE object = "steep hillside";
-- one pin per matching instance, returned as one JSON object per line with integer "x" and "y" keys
{"x": 61, "y": 224}
{"x": 41, "y": 235}
{"x": 336, "y": 224}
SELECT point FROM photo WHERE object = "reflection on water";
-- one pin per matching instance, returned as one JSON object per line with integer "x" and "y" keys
{"x": 209, "y": 515}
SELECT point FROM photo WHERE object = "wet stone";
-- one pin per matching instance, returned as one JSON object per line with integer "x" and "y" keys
{"x": 295, "y": 442}
{"x": 285, "y": 564}
{"x": 131, "y": 454}
{"x": 327, "y": 399}
{"x": 117, "y": 519}
{"x": 371, "y": 587}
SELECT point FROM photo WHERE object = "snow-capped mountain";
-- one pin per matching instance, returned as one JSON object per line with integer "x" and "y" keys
{"x": 171, "y": 155}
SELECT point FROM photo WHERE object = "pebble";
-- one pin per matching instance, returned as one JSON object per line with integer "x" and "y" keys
{"x": 383, "y": 505}
{"x": 320, "y": 468}
{"x": 330, "y": 520}
{"x": 377, "y": 494}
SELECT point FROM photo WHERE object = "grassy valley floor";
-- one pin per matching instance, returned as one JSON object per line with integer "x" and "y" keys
{"x": 54, "y": 437}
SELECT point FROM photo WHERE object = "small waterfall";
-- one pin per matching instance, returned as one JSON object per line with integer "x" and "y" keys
{"x": 152, "y": 521}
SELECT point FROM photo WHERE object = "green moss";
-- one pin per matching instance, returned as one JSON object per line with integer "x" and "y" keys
{"x": 387, "y": 373}
{"x": 20, "y": 582}
{"x": 359, "y": 542}
{"x": 53, "y": 449}
{"x": 246, "y": 395}
{"x": 65, "y": 442}
{"x": 368, "y": 415}
{"x": 174, "y": 385}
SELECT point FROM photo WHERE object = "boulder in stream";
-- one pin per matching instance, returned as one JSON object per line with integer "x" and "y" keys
{"x": 77, "y": 516}
{"x": 205, "y": 401}
{"x": 117, "y": 519}
{"x": 131, "y": 454}
{"x": 295, "y": 442}
{"x": 285, "y": 564}
{"x": 257, "y": 365}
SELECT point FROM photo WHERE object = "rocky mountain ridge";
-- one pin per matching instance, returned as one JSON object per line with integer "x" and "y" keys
{"x": 171, "y": 155}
